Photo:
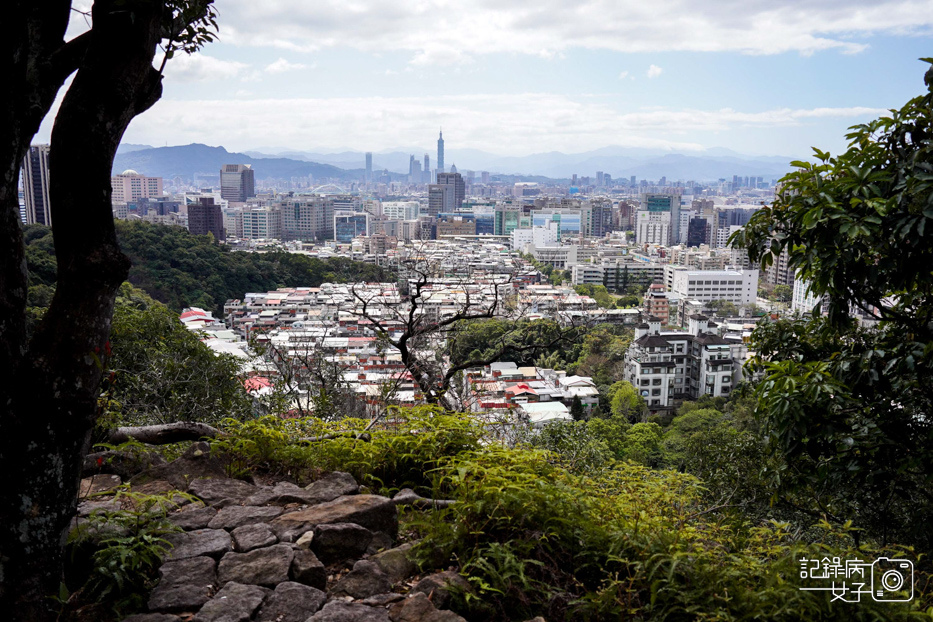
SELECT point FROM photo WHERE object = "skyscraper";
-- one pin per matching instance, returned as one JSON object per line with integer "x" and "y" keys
{"x": 237, "y": 182}
{"x": 440, "y": 152}
{"x": 426, "y": 173}
{"x": 205, "y": 217}
{"x": 457, "y": 189}
{"x": 36, "y": 185}
{"x": 369, "y": 167}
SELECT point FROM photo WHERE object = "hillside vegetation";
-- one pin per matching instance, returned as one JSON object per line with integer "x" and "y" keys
{"x": 184, "y": 270}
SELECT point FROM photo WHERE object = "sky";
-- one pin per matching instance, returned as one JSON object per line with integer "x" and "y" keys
{"x": 515, "y": 77}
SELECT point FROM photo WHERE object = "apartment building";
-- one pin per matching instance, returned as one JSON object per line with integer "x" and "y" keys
{"x": 670, "y": 367}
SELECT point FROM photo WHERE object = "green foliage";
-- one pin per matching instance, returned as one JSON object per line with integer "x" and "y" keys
{"x": 599, "y": 293}
{"x": 521, "y": 341}
{"x": 398, "y": 455}
{"x": 129, "y": 545}
{"x": 601, "y": 353}
{"x": 572, "y": 443}
{"x": 625, "y": 401}
{"x": 557, "y": 528}
{"x": 624, "y": 542}
{"x": 848, "y": 407}
{"x": 162, "y": 373}
{"x": 183, "y": 270}
{"x": 576, "y": 409}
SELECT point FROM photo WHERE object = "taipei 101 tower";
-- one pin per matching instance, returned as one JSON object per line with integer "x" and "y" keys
{"x": 440, "y": 152}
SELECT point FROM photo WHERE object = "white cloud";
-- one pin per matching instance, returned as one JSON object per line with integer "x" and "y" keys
{"x": 623, "y": 75}
{"x": 498, "y": 123}
{"x": 444, "y": 31}
{"x": 654, "y": 71}
{"x": 202, "y": 68}
{"x": 281, "y": 66}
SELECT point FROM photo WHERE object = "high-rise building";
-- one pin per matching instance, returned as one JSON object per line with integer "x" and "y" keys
{"x": 485, "y": 177}
{"x": 369, "y": 167}
{"x": 261, "y": 223}
{"x": 237, "y": 182}
{"x": 658, "y": 219}
{"x": 36, "y": 185}
{"x": 130, "y": 186}
{"x": 440, "y": 152}
{"x": 348, "y": 225}
{"x": 307, "y": 218}
{"x": 414, "y": 171}
{"x": 440, "y": 198}
{"x": 426, "y": 172}
{"x": 206, "y": 217}
{"x": 457, "y": 188}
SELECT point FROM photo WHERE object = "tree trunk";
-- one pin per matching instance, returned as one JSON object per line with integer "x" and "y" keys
{"x": 47, "y": 423}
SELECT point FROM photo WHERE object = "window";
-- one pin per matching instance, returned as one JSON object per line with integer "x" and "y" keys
{"x": 655, "y": 391}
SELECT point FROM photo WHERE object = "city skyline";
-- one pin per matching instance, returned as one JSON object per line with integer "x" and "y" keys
{"x": 519, "y": 79}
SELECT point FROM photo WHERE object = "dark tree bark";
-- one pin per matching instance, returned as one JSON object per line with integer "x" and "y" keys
{"x": 50, "y": 399}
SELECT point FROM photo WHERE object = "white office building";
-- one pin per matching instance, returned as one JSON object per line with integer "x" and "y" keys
{"x": 736, "y": 286}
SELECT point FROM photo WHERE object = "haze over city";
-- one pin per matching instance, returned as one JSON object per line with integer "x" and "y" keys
{"x": 516, "y": 78}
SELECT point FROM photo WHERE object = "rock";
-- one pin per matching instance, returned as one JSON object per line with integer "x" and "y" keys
{"x": 210, "y": 542}
{"x": 365, "y": 580}
{"x": 155, "y": 487}
{"x": 339, "y": 611}
{"x": 179, "y": 598}
{"x": 370, "y": 511}
{"x": 98, "y": 483}
{"x": 193, "y": 518}
{"x": 438, "y": 586}
{"x": 308, "y": 570}
{"x": 536, "y": 619}
{"x": 195, "y": 463}
{"x": 304, "y": 542}
{"x": 380, "y": 542}
{"x": 239, "y": 515}
{"x": 291, "y": 602}
{"x": 184, "y": 585}
{"x": 152, "y": 617}
{"x": 234, "y": 603}
{"x": 213, "y": 491}
{"x": 331, "y": 486}
{"x": 282, "y": 493}
{"x": 419, "y": 608}
{"x": 340, "y": 541}
{"x": 86, "y": 508}
{"x": 382, "y": 600}
{"x": 190, "y": 571}
{"x": 249, "y": 537}
{"x": 395, "y": 563}
{"x": 268, "y": 566}
{"x": 125, "y": 464}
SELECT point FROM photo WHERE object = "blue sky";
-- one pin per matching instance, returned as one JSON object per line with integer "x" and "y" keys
{"x": 513, "y": 77}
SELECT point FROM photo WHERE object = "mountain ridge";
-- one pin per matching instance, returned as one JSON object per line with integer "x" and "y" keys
{"x": 620, "y": 162}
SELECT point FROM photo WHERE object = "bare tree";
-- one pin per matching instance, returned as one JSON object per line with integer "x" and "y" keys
{"x": 420, "y": 324}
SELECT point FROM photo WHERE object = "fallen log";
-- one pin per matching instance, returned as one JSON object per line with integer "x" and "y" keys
{"x": 407, "y": 496}
{"x": 165, "y": 433}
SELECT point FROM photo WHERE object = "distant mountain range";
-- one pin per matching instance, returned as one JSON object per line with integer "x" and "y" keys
{"x": 187, "y": 160}
{"x": 620, "y": 162}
